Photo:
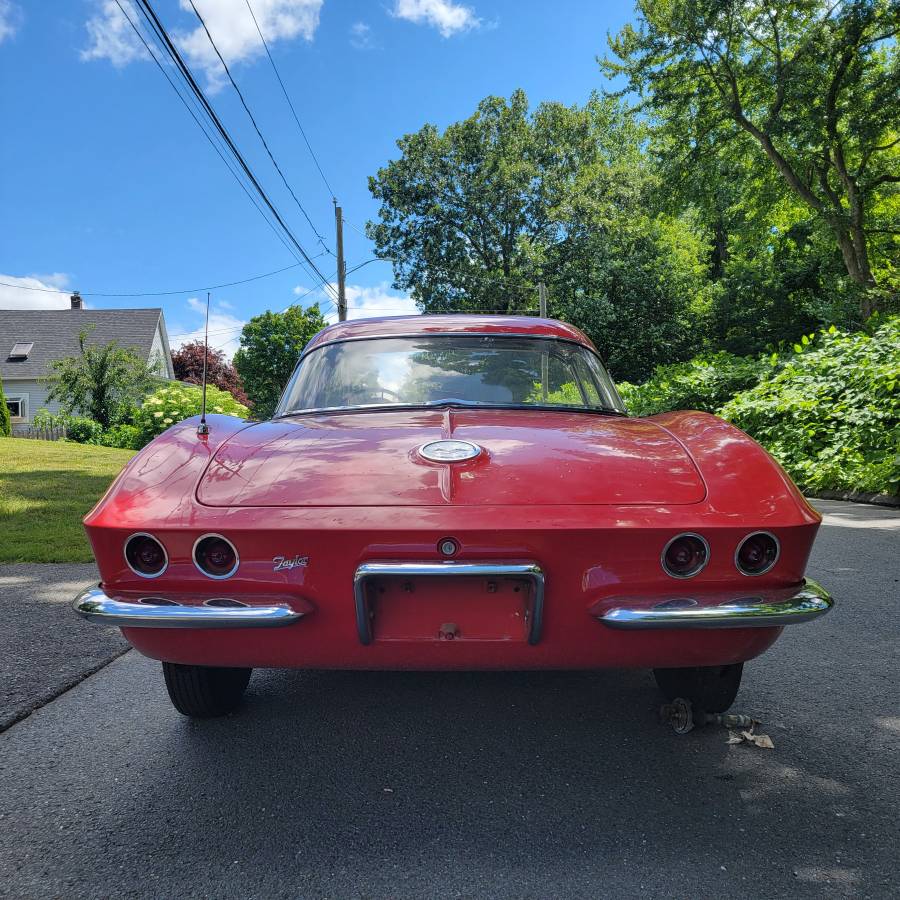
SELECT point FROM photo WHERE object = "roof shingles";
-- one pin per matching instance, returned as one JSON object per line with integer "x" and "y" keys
{"x": 54, "y": 333}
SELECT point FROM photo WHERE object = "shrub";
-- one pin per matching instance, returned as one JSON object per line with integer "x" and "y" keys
{"x": 83, "y": 431}
{"x": 5, "y": 426}
{"x": 127, "y": 437}
{"x": 175, "y": 402}
{"x": 704, "y": 382}
{"x": 831, "y": 413}
{"x": 44, "y": 420}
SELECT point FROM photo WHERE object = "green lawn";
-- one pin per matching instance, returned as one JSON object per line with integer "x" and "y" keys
{"x": 46, "y": 487}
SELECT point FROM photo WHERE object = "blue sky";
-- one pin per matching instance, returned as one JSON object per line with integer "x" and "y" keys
{"x": 107, "y": 185}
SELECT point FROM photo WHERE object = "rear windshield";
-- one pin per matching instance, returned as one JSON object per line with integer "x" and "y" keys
{"x": 435, "y": 370}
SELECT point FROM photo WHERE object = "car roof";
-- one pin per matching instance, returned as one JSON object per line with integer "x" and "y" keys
{"x": 397, "y": 326}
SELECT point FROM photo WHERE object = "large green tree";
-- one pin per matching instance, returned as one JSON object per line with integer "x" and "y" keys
{"x": 803, "y": 89}
{"x": 271, "y": 344}
{"x": 468, "y": 214}
{"x": 104, "y": 381}
{"x": 475, "y": 217}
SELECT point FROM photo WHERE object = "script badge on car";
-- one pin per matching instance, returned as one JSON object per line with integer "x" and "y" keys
{"x": 449, "y": 451}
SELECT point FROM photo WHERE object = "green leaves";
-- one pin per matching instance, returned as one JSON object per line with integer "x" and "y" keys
{"x": 271, "y": 344}
{"x": 104, "y": 382}
{"x": 176, "y": 401}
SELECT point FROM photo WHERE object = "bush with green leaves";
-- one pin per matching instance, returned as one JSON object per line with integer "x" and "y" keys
{"x": 704, "y": 382}
{"x": 126, "y": 437}
{"x": 830, "y": 414}
{"x": 175, "y": 402}
{"x": 5, "y": 426}
{"x": 82, "y": 430}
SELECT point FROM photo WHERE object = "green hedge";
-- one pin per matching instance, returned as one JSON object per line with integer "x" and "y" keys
{"x": 828, "y": 409}
{"x": 5, "y": 426}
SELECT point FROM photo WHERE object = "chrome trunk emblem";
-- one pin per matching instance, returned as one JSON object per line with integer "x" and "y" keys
{"x": 449, "y": 451}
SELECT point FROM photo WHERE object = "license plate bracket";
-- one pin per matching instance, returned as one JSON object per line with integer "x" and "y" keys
{"x": 404, "y": 601}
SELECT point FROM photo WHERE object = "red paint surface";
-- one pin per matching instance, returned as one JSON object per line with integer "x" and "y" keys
{"x": 592, "y": 499}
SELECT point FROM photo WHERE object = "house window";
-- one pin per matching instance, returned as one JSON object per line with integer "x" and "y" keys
{"x": 17, "y": 406}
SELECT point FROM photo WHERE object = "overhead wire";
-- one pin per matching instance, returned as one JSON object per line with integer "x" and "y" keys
{"x": 289, "y": 102}
{"x": 203, "y": 129}
{"x": 259, "y": 133}
{"x": 158, "y": 28}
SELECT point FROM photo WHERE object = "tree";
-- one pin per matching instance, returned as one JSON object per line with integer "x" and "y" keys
{"x": 5, "y": 426}
{"x": 271, "y": 344}
{"x": 187, "y": 361}
{"x": 468, "y": 215}
{"x": 103, "y": 382}
{"x": 810, "y": 86}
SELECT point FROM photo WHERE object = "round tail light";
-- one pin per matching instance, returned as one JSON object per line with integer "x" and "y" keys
{"x": 757, "y": 553}
{"x": 685, "y": 555}
{"x": 215, "y": 556}
{"x": 145, "y": 555}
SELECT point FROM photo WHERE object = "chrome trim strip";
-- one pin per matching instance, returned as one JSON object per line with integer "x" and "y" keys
{"x": 771, "y": 565}
{"x": 95, "y": 604}
{"x": 451, "y": 569}
{"x": 809, "y": 602}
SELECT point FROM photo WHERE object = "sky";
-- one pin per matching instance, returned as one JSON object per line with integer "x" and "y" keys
{"x": 109, "y": 187}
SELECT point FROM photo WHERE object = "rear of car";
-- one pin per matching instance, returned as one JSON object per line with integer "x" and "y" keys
{"x": 453, "y": 495}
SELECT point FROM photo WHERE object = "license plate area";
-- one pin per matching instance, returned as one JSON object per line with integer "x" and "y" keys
{"x": 449, "y": 601}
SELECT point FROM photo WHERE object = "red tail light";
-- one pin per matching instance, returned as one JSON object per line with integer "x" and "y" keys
{"x": 145, "y": 555}
{"x": 215, "y": 556}
{"x": 757, "y": 553}
{"x": 685, "y": 555}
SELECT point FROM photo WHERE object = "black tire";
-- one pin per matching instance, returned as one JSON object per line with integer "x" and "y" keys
{"x": 710, "y": 689}
{"x": 203, "y": 692}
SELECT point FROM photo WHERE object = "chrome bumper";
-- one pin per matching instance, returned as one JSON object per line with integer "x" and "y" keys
{"x": 96, "y": 605}
{"x": 809, "y": 602}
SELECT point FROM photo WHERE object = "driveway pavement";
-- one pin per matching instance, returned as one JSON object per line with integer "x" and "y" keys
{"x": 44, "y": 649}
{"x": 330, "y": 784}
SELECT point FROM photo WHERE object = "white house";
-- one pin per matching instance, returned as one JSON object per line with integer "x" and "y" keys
{"x": 30, "y": 339}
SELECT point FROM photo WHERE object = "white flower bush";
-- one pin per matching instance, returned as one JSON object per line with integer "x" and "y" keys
{"x": 175, "y": 402}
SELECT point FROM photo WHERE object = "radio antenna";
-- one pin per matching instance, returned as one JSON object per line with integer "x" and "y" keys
{"x": 203, "y": 428}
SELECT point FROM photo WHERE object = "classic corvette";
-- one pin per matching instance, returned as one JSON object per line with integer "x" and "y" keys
{"x": 452, "y": 492}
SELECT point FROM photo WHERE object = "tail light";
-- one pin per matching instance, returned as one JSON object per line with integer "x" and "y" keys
{"x": 757, "y": 553}
{"x": 215, "y": 556}
{"x": 685, "y": 555}
{"x": 145, "y": 555}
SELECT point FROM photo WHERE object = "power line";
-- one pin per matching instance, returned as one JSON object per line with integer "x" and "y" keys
{"x": 211, "y": 287}
{"x": 256, "y": 126}
{"x": 205, "y": 133}
{"x": 156, "y": 25}
{"x": 290, "y": 104}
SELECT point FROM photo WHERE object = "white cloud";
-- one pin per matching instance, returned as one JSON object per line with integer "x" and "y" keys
{"x": 362, "y": 302}
{"x": 229, "y": 22}
{"x": 224, "y": 328}
{"x": 235, "y": 34}
{"x": 111, "y": 37}
{"x": 43, "y": 292}
{"x": 361, "y": 36}
{"x": 10, "y": 19}
{"x": 448, "y": 17}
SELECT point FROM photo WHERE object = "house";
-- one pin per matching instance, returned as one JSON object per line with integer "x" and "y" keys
{"x": 30, "y": 339}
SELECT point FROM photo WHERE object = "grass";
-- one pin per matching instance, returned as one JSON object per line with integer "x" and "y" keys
{"x": 46, "y": 487}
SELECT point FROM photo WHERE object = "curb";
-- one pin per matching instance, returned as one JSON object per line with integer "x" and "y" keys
{"x": 890, "y": 500}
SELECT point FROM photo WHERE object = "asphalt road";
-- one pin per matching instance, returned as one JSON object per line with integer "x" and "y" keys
{"x": 333, "y": 784}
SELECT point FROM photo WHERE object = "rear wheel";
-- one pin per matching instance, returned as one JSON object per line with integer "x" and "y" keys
{"x": 711, "y": 689}
{"x": 203, "y": 692}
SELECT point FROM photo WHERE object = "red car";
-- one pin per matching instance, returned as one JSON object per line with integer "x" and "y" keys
{"x": 452, "y": 492}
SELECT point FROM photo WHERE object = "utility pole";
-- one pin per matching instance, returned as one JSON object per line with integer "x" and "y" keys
{"x": 542, "y": 295}
{"x": 341, "y": 267}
